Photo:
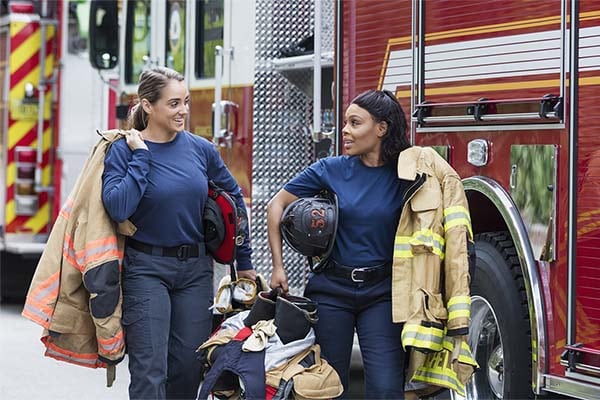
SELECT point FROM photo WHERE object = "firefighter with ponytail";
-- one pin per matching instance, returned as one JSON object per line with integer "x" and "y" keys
{"x": 158, "y": 179}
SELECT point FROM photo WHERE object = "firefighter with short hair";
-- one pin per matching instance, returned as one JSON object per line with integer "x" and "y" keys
{"x": 354, "y": 291}
{"x": 398, "y": 272}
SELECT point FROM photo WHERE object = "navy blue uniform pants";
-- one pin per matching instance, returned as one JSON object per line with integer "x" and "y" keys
{"x": 166, "y": 317}
{"x": 345, "y": 306}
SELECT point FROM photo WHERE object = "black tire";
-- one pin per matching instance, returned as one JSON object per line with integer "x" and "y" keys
{"x": 500, "y": 334}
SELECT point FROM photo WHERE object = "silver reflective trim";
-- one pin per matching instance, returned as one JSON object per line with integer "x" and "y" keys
{"x": 110, "y": 347}
{"x": 35, "y": 311}
{"x": 459, "y": 306}
{"x": 51, "y": 288}
{"x": 570, "y": 387}
{"x": 507, "y": 208}
{"x": 70, "y": 358}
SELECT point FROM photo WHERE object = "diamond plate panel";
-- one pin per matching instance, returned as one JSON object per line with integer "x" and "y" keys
{"x": 282, "y": 144}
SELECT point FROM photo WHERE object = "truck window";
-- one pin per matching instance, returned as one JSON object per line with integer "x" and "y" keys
{"x": 209, "y": 20}
{"x": 175, "y": 35}
{"x": 137, "y": 39}
{"x": 78, "y": 26}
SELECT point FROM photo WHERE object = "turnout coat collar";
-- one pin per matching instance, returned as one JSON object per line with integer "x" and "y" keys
{"x": 75, "y": 294}
{"x": 407, "y": 163}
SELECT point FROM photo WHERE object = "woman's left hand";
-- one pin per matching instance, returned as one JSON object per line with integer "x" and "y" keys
{"x": 248, "y": 274}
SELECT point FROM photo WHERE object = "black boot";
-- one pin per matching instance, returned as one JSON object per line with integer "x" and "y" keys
{"x": 294, "y": 317}
{"x": 263, "y": 308}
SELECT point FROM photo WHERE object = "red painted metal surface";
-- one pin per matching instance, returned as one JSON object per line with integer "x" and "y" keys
{"x": 371, "y": 30}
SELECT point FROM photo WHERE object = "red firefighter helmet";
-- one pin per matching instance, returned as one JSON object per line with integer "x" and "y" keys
{"x": 224, "y": 223}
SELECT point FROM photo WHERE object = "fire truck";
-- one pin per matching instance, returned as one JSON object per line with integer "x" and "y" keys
{"x": 55, "y": 96}
{"x": 504, "y": 90}
{"x": 52, "y": 103}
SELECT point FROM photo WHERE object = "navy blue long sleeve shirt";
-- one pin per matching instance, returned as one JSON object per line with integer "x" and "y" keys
{"x": 163, "y": 190}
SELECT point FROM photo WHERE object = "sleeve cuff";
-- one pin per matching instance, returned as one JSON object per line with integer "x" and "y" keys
{"x": 244, "y": 265}
{"x": 458, "y": 332}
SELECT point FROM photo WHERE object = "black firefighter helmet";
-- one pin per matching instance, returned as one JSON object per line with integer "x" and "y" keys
{"x": 309, "y": 225}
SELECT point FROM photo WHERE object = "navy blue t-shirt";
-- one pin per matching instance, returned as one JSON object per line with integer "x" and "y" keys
{"x": 370, "y": 203}
{"x": 163, "y": 190}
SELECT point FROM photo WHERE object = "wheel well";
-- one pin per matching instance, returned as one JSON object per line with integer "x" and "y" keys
{"x": 485, "y": 217}
{"x": 492, "y": 210}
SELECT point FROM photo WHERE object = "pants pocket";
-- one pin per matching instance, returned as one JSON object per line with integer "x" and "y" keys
{"x": 135, "y": 321}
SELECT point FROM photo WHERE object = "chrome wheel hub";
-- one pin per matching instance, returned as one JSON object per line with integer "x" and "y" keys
{"x": 486, "y": 345}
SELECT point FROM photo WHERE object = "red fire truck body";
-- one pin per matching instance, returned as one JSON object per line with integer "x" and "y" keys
{"x": 489, "y": 87}
{"x": 50, "y": 96}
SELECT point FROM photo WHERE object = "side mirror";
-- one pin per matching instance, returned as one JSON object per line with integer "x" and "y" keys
{"x": 104, "y": 34}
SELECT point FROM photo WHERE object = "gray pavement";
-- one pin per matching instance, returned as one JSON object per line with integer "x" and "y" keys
{"x": 26, "y": 374}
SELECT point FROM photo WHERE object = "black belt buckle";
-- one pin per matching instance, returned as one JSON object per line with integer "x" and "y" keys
{"x": 183, "y": 252}
{"x": 353, "y": 275}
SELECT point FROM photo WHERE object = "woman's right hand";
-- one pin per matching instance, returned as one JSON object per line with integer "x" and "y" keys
{"x": 279, "y": 279}
{"x": 135, "y": 140}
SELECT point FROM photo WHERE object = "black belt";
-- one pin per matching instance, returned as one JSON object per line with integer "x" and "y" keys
{"x": 182, "y": 252}
{"x": 360, "y": 274}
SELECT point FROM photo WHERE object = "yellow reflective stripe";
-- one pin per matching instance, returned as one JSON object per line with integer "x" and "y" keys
{"x": 456, "y": 210}
{"x": 429, "y": 235}
{"x": 467, "y": 359}
{"x": 402, "y": 248}
{"x": 457, "y": 222}
{"x": 438, "y": 378}
{"x": 459, "y": 314}
{"x": 459, "y": 306}
{"x": 424, "y": 237}
{"x": 456, "y": 216}
{"x": 436, "y": 371}
{"x": 458, "y": 300}
{"x": 422, "y": 337}
{"x": 464, "y": 356}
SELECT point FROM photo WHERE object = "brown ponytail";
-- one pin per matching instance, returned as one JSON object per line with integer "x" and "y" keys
{"x": 138, "y": 119}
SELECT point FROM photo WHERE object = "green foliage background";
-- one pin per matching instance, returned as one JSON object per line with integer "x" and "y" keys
{"x": 535, "y": 174}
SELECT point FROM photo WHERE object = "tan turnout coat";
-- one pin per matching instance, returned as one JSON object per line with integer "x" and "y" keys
{"x": 75, "y": 294}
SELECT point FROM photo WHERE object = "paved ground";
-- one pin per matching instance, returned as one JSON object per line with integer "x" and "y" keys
{"x": 26, "y": 374}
